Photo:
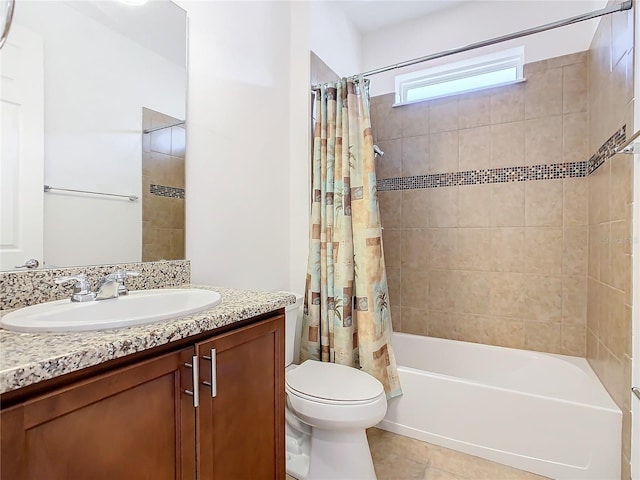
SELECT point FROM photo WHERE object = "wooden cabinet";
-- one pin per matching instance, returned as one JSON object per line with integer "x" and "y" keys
{"x": 240, "y": 420}
{"x": 137, "y": 422}
{"x": 132, "y": 423}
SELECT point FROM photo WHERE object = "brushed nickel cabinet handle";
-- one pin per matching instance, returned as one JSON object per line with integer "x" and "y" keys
{"x": 213, "y": 383}
{"x": 196, "y": 377}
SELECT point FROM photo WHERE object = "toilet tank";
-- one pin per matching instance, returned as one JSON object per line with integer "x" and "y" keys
{"x": 293, "y": 327}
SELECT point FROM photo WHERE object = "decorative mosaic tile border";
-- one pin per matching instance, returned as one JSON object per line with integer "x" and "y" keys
{"x": 164, "y": 191}
{"x": 490, "y": 175}
{"x": 608, "y": 149}
{"x": 509, "y": 174}
{"x": 29, "y": 287}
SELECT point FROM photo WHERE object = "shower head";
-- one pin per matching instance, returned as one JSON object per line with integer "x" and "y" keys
{"x": 377, "y": 151}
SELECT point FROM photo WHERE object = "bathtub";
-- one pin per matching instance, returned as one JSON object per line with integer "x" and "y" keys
{"x": 544, "y": 413}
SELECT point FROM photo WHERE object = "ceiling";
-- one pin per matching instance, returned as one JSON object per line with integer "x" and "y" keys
{"x": 369, "y": 15}
{"x": 160, "y": 26}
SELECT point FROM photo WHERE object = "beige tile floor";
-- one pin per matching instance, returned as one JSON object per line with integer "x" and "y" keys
{"x": 396, "y": 457}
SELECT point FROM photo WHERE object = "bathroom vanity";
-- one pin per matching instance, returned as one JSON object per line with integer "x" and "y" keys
{"x": 141, "y": 402}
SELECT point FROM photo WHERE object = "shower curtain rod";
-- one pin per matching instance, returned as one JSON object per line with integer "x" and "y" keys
{"x": 149, "y": 130}
{"x": 627, "y": 5}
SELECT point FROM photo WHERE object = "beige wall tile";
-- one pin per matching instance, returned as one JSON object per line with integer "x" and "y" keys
{"x": 574, "y": 300}
{"x": 542, "y": 336}
{"x": 472, "y": 328}
{"x": 507, "y": 104}
{"x": 443, "y": 207}
{"x": 414, "y": 119}
{"x": 574, "y": 201}
{"x": 444, "y": 325}
{"x": 592, "y": 348}
{"x": 390, "y": 165}
{"x": 621, "y": 170}
{"x": 443, "y": 115}
{"x": 415, "y": 155}
{"x": 474, "y": 293}
{"x": 415, "y": 288}
{"x": 575, "y": 83}
{"x": 593, "y": 261}
{"x": 504, "y": 332}
{"x": 543, "y": 300}
{"x": 391, "y": 239}
{"x": 543, "y": 250}
{"x": 394, "y": 281}
{"x": 573, "y": 340}
{"x": 507, "y": 144}
{"x": 604, "y": 239}
{"x": 507, "y": 249}
{"x": 543, "y": 93}
{"x": 390, "y": 203}
{"x": 507, "y": 204}
{"x": 474, "y": 206}
{"x": 576, "y": 137}
{"x": 543, "y": 203}
{"x": 474, "y": 110}
{"x": 599, "y": 194}
{"x": 415, "y": 321}
{"x": 475, "y": 148}
{"x": 543, "y": 140}
{"x": 620, "y": 273}
{"x": 442, "y": 247}
{"x": 570, "y": 59}
{"x": 474, "y": 249}
{"x": 387, "y": 119}
{"x": 535, "y": 67}
{"x": 415, "y": 254}
{"x": 618, "y": 331}
{"x": 508, "y": 295}
{"x": 443, "y": 152}
{"x": 396, "y": 318}
{"x": 575, "y": 250}
{"x": 443, "y": 288}
{"x": 415, "y": 208}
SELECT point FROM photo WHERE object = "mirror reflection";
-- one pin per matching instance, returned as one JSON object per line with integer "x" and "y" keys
{"x": 81, "y": 82}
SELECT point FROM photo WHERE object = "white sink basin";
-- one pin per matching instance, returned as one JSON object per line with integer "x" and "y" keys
{"x": 139, "y": 307}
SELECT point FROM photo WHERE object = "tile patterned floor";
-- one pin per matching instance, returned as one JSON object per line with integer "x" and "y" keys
{"x": 396, "y": 457}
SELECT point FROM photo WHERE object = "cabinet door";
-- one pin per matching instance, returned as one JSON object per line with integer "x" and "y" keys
{"x": 132, "y": 423}
{"x": 240, "y": 430}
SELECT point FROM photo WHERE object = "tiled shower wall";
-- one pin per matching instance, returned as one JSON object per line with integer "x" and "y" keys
{"x": 498, "y": 263}
{"x": 610, "y": 206}
{"x": 163, "y": 218}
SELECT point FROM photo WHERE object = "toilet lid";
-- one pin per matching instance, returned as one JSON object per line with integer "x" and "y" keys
{"x": 331, "y": 381}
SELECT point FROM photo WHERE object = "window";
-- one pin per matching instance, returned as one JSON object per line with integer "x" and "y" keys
{"x": 501, "y": 68}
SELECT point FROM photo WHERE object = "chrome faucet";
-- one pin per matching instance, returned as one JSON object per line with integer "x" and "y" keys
{"x": 81, "y": 290}
{"x": 119, "y": 276}
{"x": 111, "y": 286}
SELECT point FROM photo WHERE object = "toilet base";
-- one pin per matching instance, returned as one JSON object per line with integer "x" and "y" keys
{"x": 338, "y": 455}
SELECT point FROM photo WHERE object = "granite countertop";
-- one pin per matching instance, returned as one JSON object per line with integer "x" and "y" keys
{"x": 28, "y": 358}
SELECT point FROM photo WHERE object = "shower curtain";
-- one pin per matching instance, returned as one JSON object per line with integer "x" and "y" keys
{"x": 346, "y": 316}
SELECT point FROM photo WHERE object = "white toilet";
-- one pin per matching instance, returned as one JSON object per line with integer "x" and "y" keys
{"x": 329, "y": 406}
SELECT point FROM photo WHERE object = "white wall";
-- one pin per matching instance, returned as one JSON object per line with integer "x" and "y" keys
{"x": 635, "y": 319}
{"x": 96, "y": 83}
{"x": 333, "y": 38}
{"x": 238, "y": 151}
{"x": 471, "y": 22}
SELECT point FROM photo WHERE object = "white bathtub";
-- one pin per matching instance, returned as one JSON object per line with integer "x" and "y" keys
{"x": 539, "y": 412}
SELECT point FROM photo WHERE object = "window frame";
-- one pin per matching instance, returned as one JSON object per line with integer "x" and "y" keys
{"x": 468, "y": 68}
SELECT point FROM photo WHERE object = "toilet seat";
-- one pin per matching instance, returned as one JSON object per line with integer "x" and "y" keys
{"x": 332, "y": 384}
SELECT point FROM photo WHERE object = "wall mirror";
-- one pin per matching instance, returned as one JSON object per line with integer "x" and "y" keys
{"x": 81, "y": 82}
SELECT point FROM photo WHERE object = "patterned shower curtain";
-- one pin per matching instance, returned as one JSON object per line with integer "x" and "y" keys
{"x": 346, "y": 308}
